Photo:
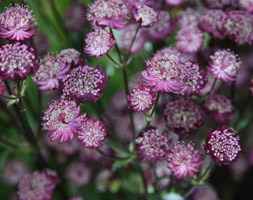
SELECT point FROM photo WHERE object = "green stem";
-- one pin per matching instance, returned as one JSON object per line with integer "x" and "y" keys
{"x": 132, "y": 42}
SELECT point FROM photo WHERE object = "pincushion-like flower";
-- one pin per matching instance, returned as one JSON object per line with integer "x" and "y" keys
{"x": 111, "y": 13}
{"x": 189, "y": 40}
{"x": 84, "y": 83}
{"x": 188, "y": 18}
{"x": 69, "y": 57}
{"x": 144, "y": 15}
{"x": 223, "y": 145}
{"x": 175, "y": 2}
{"x": 184, "y": 160}
{"x": 224, "y": 65}
{"x": 183, "y": 115}
{"x": 141, "y": 98}
{"x": 153, "y": 146}
{"x": 92, "y": 133}
{"x": 247, "y": 4}
{"x": 60, "y": 119}
{"x": 99, "y": 42}
{"x": 219, "y": 107}
{"x": 50, "y": 72}
{"x": 17, "y": 61}
{"x": 163, "y": 73}
{"x": 37, "y": 185}
{"x": 17, "y": 23}
{"x": 78, "y": 174}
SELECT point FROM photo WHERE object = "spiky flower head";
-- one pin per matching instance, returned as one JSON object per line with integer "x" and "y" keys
{"x": 37, "y": 185}
{"x": 92, "y": 133}
{"x": 141, "y": 98}
{"x": 78, "y": 174}
{"x": 69, "y": 57}
{"x": 17, "y": 23}
{"x": 17, "y": 61}
{"x": 60, "y": 119}
{"x": 50, "y": 72}
{"x": 219, "y": 107}
{"x": 108, "y": 13}
{"x": 188, "y": 18}
{"x": 205, "y": 192}
{"x": 213, "y": 22}
{"x": 183, "y": 115}
{"x": 153, "y": 146}
{"x": 175, "y": 3}
{"x": 163, "y": 73}
{"x": 184, "y": 160}
{"x": 193, "y": 78}
{"x": 239, "y": 26}
{"x": 223, "y": 145}
{"x": 84, "y": 83}
{"x": 144, "y": 15}
{"x": 189, "y": 40}
{"x": 224, "y": 65}
{"x": 247, "y": 4}
{"x": 162, "y": 27}
{"x": 74, "y": 17}
{"x": 99, "y": 42}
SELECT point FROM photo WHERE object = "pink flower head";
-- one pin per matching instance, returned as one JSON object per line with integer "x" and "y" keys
{"x": 206, "y": 192}
{"x": 184, "y": 160}
{"x": 74, "y": 17}
{"x": 108, "y": 13}
{"x": 144, "y": 15}
{"x": 14, "y": 170}
{"x": 183, "y": 115}
{"x": 98, "y": 43}
{"x": 84, "y": 83}
{"x": 17, "y": 23}
{"x": 37, "y": 185}
{"x": 127, "y": 35}
{"x": 162, "y": 73}
{"x": 17, "y": 61}
{"x": 223, "y": 145}
{"x": 175, "y": 3}
{"x": 247, "y": 4}
{"x": 239, "y": 26}
{"x": 92, "y": 133}
{"x": 69, "y": 57}
{"x": 50, "y": 73}
{"x": 213, "y": 22}
{"x": 162, "y": 27}
{"x": 219, "y": 107}
{"x": 141, "y": 98}
{"x": 189, "y": 40}
{"x": 188, "y": 18}
{"x": 224, "y": 65}
{"x": 78, "y": 174}
{"x": 193, "y": 78}
{"x": 153, "y": 146}
{"x": 219, "y": 4}
{"x": 60, "y": 119}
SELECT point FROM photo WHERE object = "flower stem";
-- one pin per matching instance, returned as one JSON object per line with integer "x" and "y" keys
{"x": 132, "y": 42}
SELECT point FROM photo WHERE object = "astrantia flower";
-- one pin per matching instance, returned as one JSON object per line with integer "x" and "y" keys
{"x": 213, "y": 22}
{"x": 162, "y": 27}
{"x": 153, "y": 146}
{"x": 111, "y": 13}
{"x": 17, "y": 23}
{"x": 74, "y": 17}
{"x": 17, "y": 61}
{"x": 184, "y": 160}
{"x": 78, "y": 174}
{"x": 144, "y": 15}
{"x": 188, "y": 18}
{"x": 69, "y": 57}
{"x": 92, "y": 133}
{"x": 37, "y": 185}
{"x": 224, "y": 65}
{"x": 193, "y": 78}
{"x": 223, "y": 145}
{"x": 206, "y": 192}
{"x": 141, "y": 98}
{"x": 239, "y": 26}
{"x": 247, "y": 4}
{"x": 98, "y": 43}
{"x": 162, "y": 73}
{"x": 218, "y": 4}
{"x": 189, "y": 40}
{"x": 60, "y": 119}
{"x": 50, "y": 72}
{"x": 175, "y": 2}
{"x": 183, "y": 115}
{"x": 84, "y": 83}
{"x": 219, "y": 107}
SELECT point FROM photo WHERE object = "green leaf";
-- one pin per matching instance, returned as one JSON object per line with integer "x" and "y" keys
{"x": 120, "y": 163}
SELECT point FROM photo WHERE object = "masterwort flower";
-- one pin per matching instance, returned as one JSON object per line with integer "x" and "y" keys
{"x": 144, "y": 15}
{"x": 69, "y": 57}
